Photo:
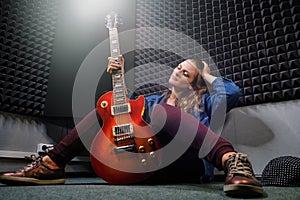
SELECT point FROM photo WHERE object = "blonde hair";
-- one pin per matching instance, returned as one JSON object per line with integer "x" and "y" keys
{"x": 193, "y": 101}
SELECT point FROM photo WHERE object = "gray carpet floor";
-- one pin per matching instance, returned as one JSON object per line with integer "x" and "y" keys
{"x": 95, "y": 188}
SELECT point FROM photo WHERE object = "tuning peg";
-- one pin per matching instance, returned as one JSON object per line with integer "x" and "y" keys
{"x": 113, "y": 20}
{"x": 108, "y": 21}
{"x": 118, "y": 21}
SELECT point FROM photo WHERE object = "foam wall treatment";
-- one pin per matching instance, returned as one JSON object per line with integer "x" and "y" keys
{"x": 27, "y": 31}
{"x": 253, "y": 42}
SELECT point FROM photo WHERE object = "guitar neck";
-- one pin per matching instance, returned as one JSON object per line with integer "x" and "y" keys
{"x": 118, "y": 82}
{"x": 114, "y": 43}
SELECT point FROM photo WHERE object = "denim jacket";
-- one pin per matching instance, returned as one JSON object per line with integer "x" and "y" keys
{"x": 223, "y": 91}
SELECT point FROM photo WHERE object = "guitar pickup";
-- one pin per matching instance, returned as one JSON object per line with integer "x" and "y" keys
{"x": 120, "y": 149}
{"x": 120, "y": 109}
{"x": 124, "y": 129}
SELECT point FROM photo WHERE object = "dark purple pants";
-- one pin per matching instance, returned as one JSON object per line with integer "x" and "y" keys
{"x": 71, "y": 145}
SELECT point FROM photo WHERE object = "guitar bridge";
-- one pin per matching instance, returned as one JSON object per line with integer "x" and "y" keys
{"x": 124, "y": 138}
{"x": 120, "y": 109}
{"x": 120, "y": 149}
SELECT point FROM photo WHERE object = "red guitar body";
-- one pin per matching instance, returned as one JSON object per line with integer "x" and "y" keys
{"x": 120, "y": 156}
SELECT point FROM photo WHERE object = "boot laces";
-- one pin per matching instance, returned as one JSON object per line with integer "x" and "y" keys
{"x": 34, "y": 161}
{"x": 239, "y": 164}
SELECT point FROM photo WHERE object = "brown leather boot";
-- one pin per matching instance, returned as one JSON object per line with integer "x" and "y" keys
{"x": 36, "y": 173}
{"x": 240, "y": 180}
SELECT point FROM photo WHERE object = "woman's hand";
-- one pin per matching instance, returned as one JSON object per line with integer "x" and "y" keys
{"x": 206, "y": 69}
{"x": 114, "y": 64}
{"x": 206, "y": 74}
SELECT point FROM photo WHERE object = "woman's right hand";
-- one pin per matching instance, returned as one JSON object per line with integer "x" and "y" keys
{"x": 206, "y": 74}
{"x": 114, "y": 64}
{"x": 206, "y": 69}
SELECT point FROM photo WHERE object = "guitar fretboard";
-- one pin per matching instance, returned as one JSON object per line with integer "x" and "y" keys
{"x": 119, "y": 93}
{"x": 114, "y": 43}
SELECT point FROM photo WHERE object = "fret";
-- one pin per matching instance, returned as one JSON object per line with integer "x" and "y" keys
{"x": 118, "y": 76}
{"x": 119, "y": 86}
{"x": 119, "y": 89}
{"x": 119, "y": 101}
{"x": 119, "y": 92}
{"x": 119, "y": 96}
{"x": 118, "y": 80}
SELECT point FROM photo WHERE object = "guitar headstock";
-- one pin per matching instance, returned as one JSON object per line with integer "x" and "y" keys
{"x": 113, "y": 20}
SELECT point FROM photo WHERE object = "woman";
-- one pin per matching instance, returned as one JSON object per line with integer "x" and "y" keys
{"x": 187, "y": 93}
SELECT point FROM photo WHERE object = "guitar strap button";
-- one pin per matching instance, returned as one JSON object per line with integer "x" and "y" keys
{"x": 104, "y": 104}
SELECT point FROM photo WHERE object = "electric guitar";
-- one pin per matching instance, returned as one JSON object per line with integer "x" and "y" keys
{"x": 124, "y": 150}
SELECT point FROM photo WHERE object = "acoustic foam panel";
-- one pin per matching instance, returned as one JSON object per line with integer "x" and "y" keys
{"x": 253, "y": 42}
{"x": 27, "y": 30}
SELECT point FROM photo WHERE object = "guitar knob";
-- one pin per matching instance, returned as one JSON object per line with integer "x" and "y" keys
{"x": 142, "y": 149}
{"x": 150, "y": 141}
{"x": 104, "y": 104}
{"x": 152, "y": 154}
{"x": 144, "y": 162}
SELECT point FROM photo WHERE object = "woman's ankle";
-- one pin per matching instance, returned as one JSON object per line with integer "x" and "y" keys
{"x": 50, "y": 162}
{"x": 225, "y": 158}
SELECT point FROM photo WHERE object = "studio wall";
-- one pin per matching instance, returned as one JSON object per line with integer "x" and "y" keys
{"x": 42, "y": 46}
{"x": 255, "y": 43}
{"x": 27, "y": 33}
{"x": 43, "y": 43}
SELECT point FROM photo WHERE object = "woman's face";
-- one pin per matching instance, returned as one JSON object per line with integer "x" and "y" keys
{"x": 183, "y": 75}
